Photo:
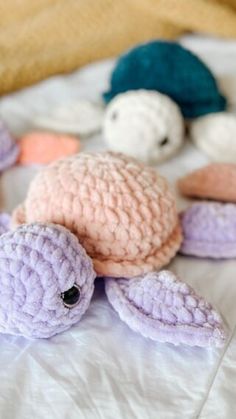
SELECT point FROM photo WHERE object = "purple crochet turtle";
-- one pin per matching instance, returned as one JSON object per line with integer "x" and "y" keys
{"x": 209, "y": 230}
{"x": 47, "y": 282}
{"x": 9, "y": 150}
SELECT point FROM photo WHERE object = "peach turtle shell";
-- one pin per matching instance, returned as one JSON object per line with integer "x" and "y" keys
{"x": 123, "y": 212}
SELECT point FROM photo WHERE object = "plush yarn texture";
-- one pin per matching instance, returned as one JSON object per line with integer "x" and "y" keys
{"x": 163, "y": 308}
{"x": 123, "y": 212}
{"x": 38, "y": 263}
{"x": 8, "y": 148}
{"x": 80, "y": 117}
{"x": 209, "y": 230}
{"x": 144, "y": 124}
{"x": 215, "y": 181}
{"x": 215, "y": 135}
{"x": 43, "y": 147}
{"x": 5, "y": 222}
{"x": 172, "y": 70}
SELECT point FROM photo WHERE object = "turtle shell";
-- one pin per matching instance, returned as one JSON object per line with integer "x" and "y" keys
{"x": 172, "y": 70}
{"x": 209, "y": 230}
{"x": 123, "y": 212}
{"x": 216, "y": 181}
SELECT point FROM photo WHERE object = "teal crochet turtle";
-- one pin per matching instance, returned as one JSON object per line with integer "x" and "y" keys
{"x": 172, "y": 70}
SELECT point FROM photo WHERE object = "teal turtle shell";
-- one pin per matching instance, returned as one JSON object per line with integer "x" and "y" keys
{"x": 172, "y": 70}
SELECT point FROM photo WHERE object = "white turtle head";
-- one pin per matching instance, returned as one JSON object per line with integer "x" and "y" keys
{"x": 215, "y": 135}
{"x": 144, "y": 124}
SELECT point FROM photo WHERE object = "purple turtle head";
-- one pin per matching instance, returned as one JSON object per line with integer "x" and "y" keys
{"x": 9, "y": 150}
{"x": 209, "y": 230}
{"x": 46, "y": 280}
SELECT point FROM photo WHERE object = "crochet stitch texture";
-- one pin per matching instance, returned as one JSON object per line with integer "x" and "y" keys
{"x": 122, "y": 211}
{"x": 37, "y": 264}
{"x": 168, "y": 68}
{"x": 209, "y": 230}
{"x": 161, "y": 307}
{"x": 144, "y": 124}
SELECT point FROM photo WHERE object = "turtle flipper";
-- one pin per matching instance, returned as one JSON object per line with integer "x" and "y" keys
{"x": 163, "y": 308}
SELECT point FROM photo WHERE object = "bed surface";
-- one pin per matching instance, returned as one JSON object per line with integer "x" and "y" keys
{"x": 100, "y": 368}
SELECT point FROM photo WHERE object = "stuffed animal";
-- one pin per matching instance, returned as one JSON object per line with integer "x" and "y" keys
{"x": 47, "y": 282}
{"x": 144, "y": 124}
{"x": 171, "y": 69}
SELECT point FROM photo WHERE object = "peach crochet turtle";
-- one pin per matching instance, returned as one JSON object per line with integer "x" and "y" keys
{"x": 215, "y": 181}
{"x": 45, "y": 147}
{"x": 123, "y": 212}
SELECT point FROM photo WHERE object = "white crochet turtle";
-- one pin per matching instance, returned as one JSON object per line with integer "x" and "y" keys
{"x": 144, "y": 124}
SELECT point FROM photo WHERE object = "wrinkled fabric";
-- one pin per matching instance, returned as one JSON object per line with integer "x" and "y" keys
{"x": 102, "y": 369}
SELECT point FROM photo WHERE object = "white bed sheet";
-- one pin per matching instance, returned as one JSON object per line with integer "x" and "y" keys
{"x": 100, "y": 368}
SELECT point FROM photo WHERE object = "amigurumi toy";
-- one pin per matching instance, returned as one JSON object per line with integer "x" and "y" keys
{"x": 46, "y": 281}
{"x": 123, "y": 212}
{"x": 171, "y": 69}
{"x": 209, "y": 230}
{"x": 163, "y": 308}
{"x": 215, "y": 181}
{"x": 9, "y": 150}
{"x": 44, "y": 147}
{"x": 144, "y": 124}
{"x": 215, "y": 135}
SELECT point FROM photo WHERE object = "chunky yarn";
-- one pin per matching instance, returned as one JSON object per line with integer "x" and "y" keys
{"x": 123, "y": 212}
{"x": 215, "y": 181}
{"x": 209, "y": 230}
{"x": 144, "y": 124}
{"x": 46, "y": 281}
{"x": 171, "y": 69}
{"x": 43, "y": 147}
{"x": 215, "y": 135}
{"x": 163, "y": 308}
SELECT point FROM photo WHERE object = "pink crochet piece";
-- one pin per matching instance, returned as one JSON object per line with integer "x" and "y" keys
{"x": 122, "y": 211}
{"x": 215, "y": 181}
{"x": 44, "y": 147}
{"x": 161, "y": 307}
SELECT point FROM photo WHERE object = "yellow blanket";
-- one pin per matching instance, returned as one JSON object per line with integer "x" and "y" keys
{"x": 44, "y": 37}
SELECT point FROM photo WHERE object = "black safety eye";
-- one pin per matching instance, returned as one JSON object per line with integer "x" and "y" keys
{"x": 114, "y": 115}
{"x": 164, "y": 141}
{"x": 71, "y": 297}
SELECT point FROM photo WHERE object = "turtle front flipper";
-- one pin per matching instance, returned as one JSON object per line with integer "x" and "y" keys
{"x": 161, "y": 307}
